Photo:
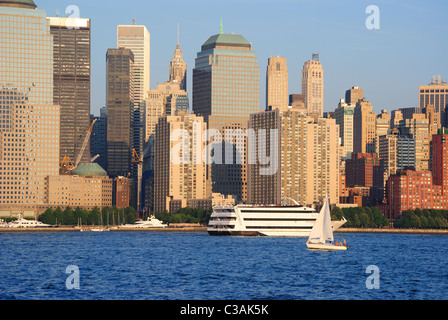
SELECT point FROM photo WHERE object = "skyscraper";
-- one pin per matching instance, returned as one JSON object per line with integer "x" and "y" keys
{"x": 98, "y": 138}
{"x": 353, "y": 95}
{"x": 178, "y": 68}
{"x": 29, "y": 120}
{"x": 226, "y": 81}
{"x": 277, "y": 83}
{"x": 364, "y": 128}
{"x": 344, "y": 115}
{"x": 418, "y": 129}
{"x": 382, "y": 128}
{"x": 435, "y": 93}
{"x": 120, "y": 108}
{"x": 305, "y": 154}
{"x": 71, "y": 60}
{"x": 138, "y": 40}
{"x": 439, "y": 159}
{"x": 313, "y": 86}
{"x": 179, "y": 172}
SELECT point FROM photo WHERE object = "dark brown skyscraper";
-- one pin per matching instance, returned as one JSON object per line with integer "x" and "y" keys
{"x": 71, "y": 63}
{"x": 120, "y": 106}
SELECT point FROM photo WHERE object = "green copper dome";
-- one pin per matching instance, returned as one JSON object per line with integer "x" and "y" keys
{"x": 18, "y": 4}
{"x": 226, "y": 40}
{"x": 89, "y": 170}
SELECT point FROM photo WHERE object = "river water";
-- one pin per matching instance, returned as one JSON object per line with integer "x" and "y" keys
{"x": 195, "y": 266}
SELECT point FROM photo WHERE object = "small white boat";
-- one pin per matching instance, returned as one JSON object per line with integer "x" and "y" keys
{"x": 151, "y": 223}
{"x": 322, "y": 237}
{"x": 99, "y": 229}
{"x": 3, "y": 224}
{"x": 24, "y": 223}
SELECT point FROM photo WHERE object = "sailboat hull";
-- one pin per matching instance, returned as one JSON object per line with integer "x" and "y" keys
{"x": 325, "y": 247}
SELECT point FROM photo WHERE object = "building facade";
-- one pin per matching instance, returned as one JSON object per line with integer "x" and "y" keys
{"x": 364, "y": 128}
{"x": 72, "y": 65}
{"x": 303, "y": 154}
{"x": 313, "y": 86}
{"x": 225, "y": 92}
{"x": 29, "y": 119}
{"x": 120, "y": 107}
{"x": 344, "y": 116}
{"x": 180, "y": 173}
{"x": 277, "y": 83}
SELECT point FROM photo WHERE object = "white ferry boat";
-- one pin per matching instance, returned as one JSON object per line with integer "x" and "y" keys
{"x": 264, "y": 221}
{"x": 23, "y": 223}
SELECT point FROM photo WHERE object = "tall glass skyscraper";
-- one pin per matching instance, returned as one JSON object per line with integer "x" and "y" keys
{"x": 71, "y": 40}
{"x": 226, "y": 90}
{"x": 29, "y": 122}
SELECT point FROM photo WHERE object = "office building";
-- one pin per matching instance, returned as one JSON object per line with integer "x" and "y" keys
{"x": 98, "y": 138}
{"x": 304, "y": 158}
{"x": 178, "y": 68}
{"x": 72, "y": 65}
{"x": 418, "y": 129}
{"x": 179, "y": 171}
{"x": 137, "y": 39}
{"x": 29, "y": 119}
{"x": 364, "y": 128}
{"x": 226, "y": 86}
{"x": 353, "y": 95}
{"x": 344, "y": 116}
{"x": 410, "y": 189}
{"x": 87, "y": 187}
{"x": 120, "y": 107}
{"x": 439, "y": 159}
{"x": 313, "y": 86}
{"x": 382, "y": 127}
{"x": 277, "y": 83}
{"x": 435, "y": 94}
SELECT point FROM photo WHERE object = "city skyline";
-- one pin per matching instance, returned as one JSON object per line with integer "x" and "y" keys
{"x": 389, "y": 64}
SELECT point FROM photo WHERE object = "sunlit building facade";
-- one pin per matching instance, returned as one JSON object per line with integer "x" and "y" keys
{"x": 29, "y": 120}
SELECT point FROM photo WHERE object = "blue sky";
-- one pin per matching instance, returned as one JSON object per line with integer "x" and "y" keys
{"x": 389, "y": 64}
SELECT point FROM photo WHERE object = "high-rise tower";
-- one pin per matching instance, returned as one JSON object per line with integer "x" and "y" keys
{"x": 226, "y": 91}
{"x": 29, "y": 121}
{"x": 120, "y": 105}
{"x": 178, "y": 67}
{"x": 71, "y": 51}
{"x": 313, "y": 86}
{"x": 277, "y": 83}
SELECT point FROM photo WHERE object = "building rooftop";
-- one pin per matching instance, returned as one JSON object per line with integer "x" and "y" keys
{"x": 89, "y": 170}
{"x": 18, "y": 4}
{"x": 226, "y": 40}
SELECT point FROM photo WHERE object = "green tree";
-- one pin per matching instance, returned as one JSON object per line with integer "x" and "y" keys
{"x": 59, "y": 216}
{"x": 48, "y": 217}
{"x": 68, "y": 217}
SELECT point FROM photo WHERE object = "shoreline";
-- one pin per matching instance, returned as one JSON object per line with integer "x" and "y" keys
{"x": 204, "y": 229}
{"x": 398, "y": 231}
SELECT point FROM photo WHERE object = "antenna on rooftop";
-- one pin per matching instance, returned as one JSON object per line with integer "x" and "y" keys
{"x": 221, "y": 28}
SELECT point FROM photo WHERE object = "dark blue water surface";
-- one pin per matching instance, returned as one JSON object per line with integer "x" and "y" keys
{"x": 195, "y": 266}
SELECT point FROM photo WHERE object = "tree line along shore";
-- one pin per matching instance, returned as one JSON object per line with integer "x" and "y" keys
{"x": 357, "y": 218}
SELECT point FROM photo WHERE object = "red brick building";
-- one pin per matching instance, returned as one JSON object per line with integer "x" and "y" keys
{"x": 420, "y": 189}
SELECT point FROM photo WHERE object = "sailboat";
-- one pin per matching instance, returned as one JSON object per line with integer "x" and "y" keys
{"x": 322, "y": 237}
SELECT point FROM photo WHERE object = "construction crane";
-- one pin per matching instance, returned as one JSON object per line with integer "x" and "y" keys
{"x": 66, "y": 164}
{"x": 94, "y": 158}
{"x": 135, "y": 157}
{"x": 83, "y": 148}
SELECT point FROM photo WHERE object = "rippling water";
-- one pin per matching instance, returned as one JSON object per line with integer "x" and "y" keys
{"x": 194, "y": 266}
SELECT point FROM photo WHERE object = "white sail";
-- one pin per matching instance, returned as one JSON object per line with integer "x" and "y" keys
{"x": 322, "y": 231}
